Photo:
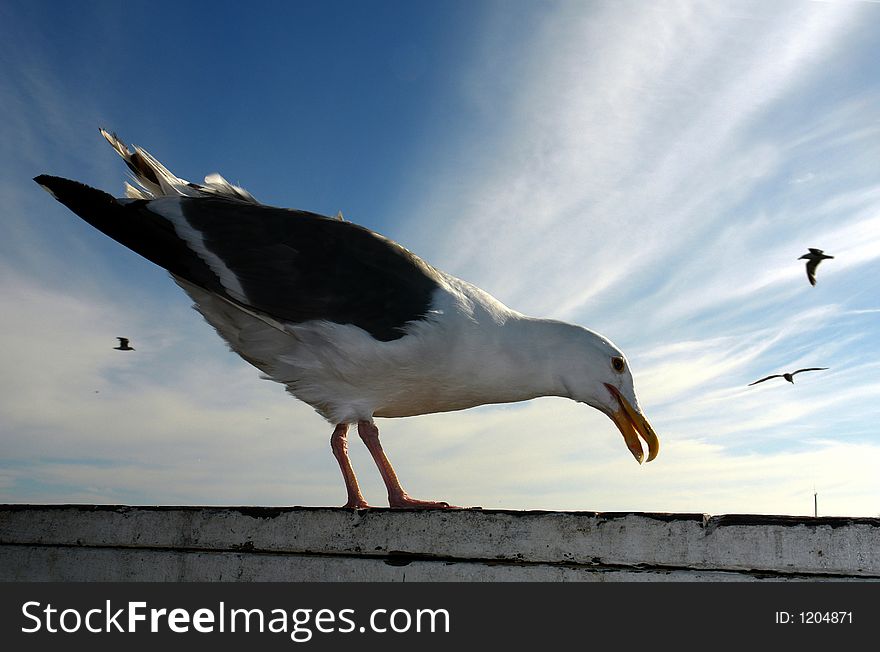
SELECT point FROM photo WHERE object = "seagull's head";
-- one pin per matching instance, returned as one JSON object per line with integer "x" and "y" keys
{"x": 601, "y": 378}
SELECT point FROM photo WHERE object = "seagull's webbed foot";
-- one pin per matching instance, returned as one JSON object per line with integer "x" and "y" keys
{"x": 397, "y": 497}
{"x": 403, "y": 501}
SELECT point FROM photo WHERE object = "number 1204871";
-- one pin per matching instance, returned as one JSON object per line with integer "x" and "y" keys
{"x": 815, "y": 617}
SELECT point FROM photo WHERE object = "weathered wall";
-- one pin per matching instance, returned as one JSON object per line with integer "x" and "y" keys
{"x": 108, "y": 543}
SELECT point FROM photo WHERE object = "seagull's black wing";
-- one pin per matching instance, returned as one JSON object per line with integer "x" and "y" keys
{"x": 812, "y": 264}
{"x": 292, "y": 266}
{"x": 766, "y": 378}
{"x": 809, "y": 369}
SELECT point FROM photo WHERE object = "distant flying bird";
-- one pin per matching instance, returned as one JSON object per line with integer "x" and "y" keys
{"x": 813, "y": 259}
{"x": 788, "y": 376}
{"x": 123, "y": 344}
{"x": 352, "y": 323}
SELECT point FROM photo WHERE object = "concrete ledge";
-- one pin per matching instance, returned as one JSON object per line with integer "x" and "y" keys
{"x": 111, "y": 543}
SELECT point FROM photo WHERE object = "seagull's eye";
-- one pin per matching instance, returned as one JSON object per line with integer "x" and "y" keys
{"x": 618, "y": 364}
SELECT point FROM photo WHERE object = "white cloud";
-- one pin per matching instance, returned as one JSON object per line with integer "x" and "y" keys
{"x": 74, "y": 409}
{"x": 621, "y": 142}
{"x": 553, "y": 454}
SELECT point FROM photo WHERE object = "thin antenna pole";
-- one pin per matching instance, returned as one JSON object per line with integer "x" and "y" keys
{"x": 815, "y": 505}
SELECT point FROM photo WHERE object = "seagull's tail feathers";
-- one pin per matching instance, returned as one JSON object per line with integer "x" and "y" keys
{"x": 217, "y": 185}
{"x": 131, "y": 224}
{"x": 154, "y": 180}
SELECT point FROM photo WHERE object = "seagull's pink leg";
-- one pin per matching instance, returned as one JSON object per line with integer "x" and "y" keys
{"x": 339, "y": 444}
{"x": 397, "y": 497}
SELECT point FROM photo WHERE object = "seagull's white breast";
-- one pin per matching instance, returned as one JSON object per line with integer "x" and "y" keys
{"x": 459, "y": 357}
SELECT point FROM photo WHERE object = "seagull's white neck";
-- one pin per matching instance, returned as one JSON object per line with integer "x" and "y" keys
{"x": 517, "y": 359}
{"x": 541, "y": 350}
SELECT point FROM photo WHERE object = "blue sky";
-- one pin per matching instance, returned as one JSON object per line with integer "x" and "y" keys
{"x": 649, "y": 170}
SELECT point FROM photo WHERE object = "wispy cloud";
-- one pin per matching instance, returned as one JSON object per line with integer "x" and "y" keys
{"x": 77, "y": 414}
{"x": 623, "y": 147}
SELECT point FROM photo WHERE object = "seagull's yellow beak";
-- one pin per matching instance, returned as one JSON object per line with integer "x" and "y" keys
{"x": 632, "y": 425}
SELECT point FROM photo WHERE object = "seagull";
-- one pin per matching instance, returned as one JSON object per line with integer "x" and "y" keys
{"x": 813, "y": 258}
{"x": 788, "y": 376}
{"x": 352, "y": 323}
{"x": 123, "y": 344}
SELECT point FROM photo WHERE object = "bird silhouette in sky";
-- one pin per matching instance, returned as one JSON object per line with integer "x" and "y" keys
{"x": 813, "y": 258}
{"x": 123, "y": 345}
{"x": 788, "y": 376}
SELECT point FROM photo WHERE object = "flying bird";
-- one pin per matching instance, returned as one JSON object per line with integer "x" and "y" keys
{"x": 788, "y": 376}
{"x": 123, "y": 344}
{"x": 813, "y": 258}
{"x": 349, "y": 321}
